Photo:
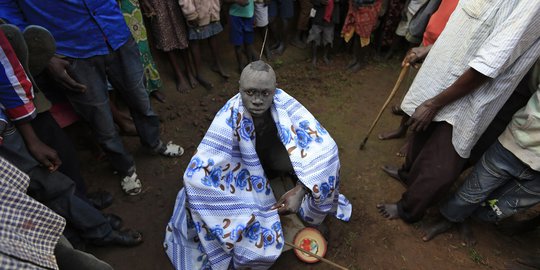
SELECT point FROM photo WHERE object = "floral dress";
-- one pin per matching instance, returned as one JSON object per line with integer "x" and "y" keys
{"x": 134, "y": 19}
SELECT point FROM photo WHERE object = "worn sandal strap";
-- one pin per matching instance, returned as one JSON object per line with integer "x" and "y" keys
{"x": 131, "y": 185}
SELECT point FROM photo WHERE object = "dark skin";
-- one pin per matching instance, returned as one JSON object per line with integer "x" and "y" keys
{"x": 41, "y": 152}
{"x": 413, "y": 58}
{"x": 58, "y": 70}
{"x": 467, "y": 83}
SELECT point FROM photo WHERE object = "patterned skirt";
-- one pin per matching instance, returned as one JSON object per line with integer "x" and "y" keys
{"x": 168, "y": 25}
{"x": 134, "y": 19}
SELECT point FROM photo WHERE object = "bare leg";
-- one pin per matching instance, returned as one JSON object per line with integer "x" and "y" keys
{"x": 239, "y": 58}
{"x": 357, "y": 55}
{"x": 284, "y": 38}
{"x": 355, "y": 59}
{"x": 313, "y": 54}
{"x": 273, "y": 26}
{"x": 326, "y": 60}
{"x": 196, "y": 50}
{"x": 181, "y": 82}
{"x": 400, "y": 132}
{"x": 122, "y": 119}
{"x": 214, "y": 48}
{"x": 188, "y": 63}
{"x": 297, "y": 40}
{"x": 251, "y": 55}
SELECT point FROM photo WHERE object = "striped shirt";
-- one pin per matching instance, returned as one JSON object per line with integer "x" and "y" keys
{"x": 16, "y": 92}
{"x": 29, "y": 230}
{"x": 498, "y": 38}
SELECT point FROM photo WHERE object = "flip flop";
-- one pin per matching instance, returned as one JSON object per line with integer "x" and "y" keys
{"x": 41, "y": 48}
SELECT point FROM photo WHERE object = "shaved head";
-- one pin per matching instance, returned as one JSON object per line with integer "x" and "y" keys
{"x": 257, "y": 87}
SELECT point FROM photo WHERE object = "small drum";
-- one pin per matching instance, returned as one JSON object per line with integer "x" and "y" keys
{"x": 312, "y": 240}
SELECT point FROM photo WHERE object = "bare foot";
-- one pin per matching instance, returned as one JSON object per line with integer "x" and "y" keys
{"x": 326, "y": 60}
{"x": 403, "y": 150}
{"x": 531, "y": 261}
{"x": 438, "y": 228}
{"x": 388, "y": 211}
{"x": 192, "y": 81}
{"x": 182, "y": 86}
{"x": 356, "y": 67}
{"x": 351, "y": 63}
{"x": 397, "y": 110}
{"x": 392, "y": 171}
{"x": 206, "y": 84}
{"x": 159, "y": 96}
{"x": 219, "y": 70}
{"x": 467, "y": 235}
{"x": 394, "y": 134}
{"x": 279, "y": 50}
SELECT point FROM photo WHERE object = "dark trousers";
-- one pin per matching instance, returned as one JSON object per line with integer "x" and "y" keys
{"x": 50, "y": 133}
{"x": 431, "y": 166}
{"x": 123, "y": 69}
{"x": 54, "y": 190}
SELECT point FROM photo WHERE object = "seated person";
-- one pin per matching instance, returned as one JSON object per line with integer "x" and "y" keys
{"x": 227, "y": 215}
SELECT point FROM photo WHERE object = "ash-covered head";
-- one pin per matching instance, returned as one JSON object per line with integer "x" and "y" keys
{"x": 257, "y": 87}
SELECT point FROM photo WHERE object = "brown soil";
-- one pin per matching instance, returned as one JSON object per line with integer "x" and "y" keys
{"x": 345, "y": 104}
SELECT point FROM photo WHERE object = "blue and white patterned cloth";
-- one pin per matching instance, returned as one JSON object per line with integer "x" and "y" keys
{"x": 222, "y": 218}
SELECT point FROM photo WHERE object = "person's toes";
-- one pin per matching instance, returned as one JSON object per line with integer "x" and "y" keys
{"x": 438, "y": 228}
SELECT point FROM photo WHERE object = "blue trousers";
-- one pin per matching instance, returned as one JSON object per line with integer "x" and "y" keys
{"x": 123, "y": 69}
{"x": 499, "y": 186}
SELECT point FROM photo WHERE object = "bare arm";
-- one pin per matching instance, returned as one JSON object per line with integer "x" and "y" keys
{"x": 467, "y": 83}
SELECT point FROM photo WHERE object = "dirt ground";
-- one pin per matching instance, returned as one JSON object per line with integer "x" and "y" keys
{"x": 345, "y": 104}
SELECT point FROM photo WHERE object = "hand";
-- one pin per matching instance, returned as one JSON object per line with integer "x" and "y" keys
{"x": 148, "y": 10}
{"x": 58, "y": 70}
{"x": 290, "y": 202}
{"x": 45, "y": 155}
{"x": 423, "y": 115}
{"x": 415, "y": 56}
{"x": 242, "y": 2}
{"x": 193, "y": 23}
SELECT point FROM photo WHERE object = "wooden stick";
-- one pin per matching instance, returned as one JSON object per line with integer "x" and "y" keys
{"x": 317, "y": 256}
{"x": 392, "y": 94}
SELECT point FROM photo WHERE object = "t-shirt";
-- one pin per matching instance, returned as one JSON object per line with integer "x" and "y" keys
{"x": 242, "y": 11}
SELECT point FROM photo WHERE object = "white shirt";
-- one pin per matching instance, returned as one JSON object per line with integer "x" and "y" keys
{"x": 498, "y": 38}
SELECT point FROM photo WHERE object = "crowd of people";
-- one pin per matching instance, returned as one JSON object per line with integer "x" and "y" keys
{"x": 475, "y": 102}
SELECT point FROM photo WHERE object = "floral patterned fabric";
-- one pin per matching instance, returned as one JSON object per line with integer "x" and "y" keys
{"x": 222, "y": 216}
{"x": 134, "y": 19}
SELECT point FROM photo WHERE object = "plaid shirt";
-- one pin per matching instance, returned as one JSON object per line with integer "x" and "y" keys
{"x": 29, "y": 230}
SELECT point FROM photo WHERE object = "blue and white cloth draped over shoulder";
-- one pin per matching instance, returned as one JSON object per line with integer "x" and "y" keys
{"x": 222, "y": 218}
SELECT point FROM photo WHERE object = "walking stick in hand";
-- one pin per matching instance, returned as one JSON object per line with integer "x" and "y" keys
{"x": 404, "y": 70}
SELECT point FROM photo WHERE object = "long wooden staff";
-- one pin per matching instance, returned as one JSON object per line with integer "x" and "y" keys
{"x": 392, "y": 94}
{"x": 317, "y": 256}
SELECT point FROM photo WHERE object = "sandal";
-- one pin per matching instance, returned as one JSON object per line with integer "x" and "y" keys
{"x": 131, "y": 185}
{"x": 170, "y": 150}
{"x": 41, "y": 48}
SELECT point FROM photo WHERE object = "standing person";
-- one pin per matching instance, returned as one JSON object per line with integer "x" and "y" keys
{"x": 302, "y": 24}
{"x": 203, "y": 24}
{"x": 507, "y": 178}
{"x": 322, "y": 30}
{"x": 261, "y": 23}
{"x": 242, "y": 21}
{"x": 170, "y": 36}
{"x": 279, "y": 28}
{"x": 457, "y": 93}
{"x": 134, "y": 19}
{"x": 84, "y": 62}
{"x": 360, "y": 22}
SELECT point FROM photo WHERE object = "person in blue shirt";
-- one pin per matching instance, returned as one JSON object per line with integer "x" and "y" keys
{"x": 94, "y": 45}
